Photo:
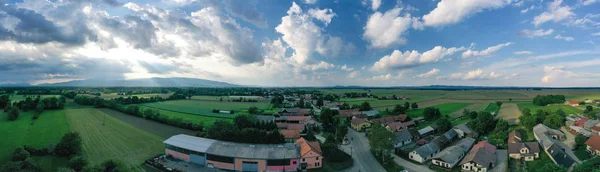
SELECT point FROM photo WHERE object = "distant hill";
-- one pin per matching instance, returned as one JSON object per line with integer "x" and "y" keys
{"x": 146, "y": 82}
{"x": 15, "y": 85}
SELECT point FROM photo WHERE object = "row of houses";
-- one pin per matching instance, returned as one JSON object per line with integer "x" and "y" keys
{"x": 392, "y": 123}
{"x": 428, "y": 149}
{"x": 577, "y": 124}
{"x": 547, "y": 139}
{"x": 245, "y": 157}
{"x": 290, "y": 127}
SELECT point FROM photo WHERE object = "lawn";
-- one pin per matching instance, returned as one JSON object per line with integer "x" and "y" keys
{"x": 538, "y": 163}
{"x": 581, "y": 153}
{"x": 47, "y": 129}
{"x": 445, "y": 109}
{"x": 552, "y": 108}
{"x": 205, "y": 108}
{"x": 114, "y": 140}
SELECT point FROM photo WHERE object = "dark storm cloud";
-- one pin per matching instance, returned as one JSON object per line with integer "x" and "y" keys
{"x": 35, "y": 28}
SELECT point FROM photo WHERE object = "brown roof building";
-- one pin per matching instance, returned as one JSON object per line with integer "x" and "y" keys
{"x": 593, "y": 145}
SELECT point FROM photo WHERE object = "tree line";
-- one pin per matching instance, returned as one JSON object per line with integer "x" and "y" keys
{"x": 244, "y": 129}
{"x": 541, "y": 100}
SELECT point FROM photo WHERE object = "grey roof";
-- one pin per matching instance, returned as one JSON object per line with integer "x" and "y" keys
{"x": 238, "y": 150}
{"x": 540, "y": 132}
{"x": 451, "y": 155}
{"x": 425, "y": 130}
{"x": 480, "y": 156}
{"x": 464, "y": 128}
{"x": 371, "y": 112}
{"x": 590, "y": 123}
{"x": 403, "y": 135}
{"x": 265, "y": 118}
{"x": 450, "y": 134}
{"x": 560, "y": 157}
{"x": 190, "y": 142}
{"x": 466, "y": 143}
{"x": 427, "y": 149}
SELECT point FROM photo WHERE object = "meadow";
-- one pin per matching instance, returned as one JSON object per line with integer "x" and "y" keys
{"x": 204, "y": 108}
{"x": 46, "y": 130}
{"x": 106, "y": 137}
{"x": 115, "y": 95}
{"x": 552, "y": 108}
{"x": 445, "y": 109}
{"x": 17, "y": 97}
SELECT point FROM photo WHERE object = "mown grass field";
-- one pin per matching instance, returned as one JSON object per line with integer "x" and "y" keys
{"x": 47, "y": 129}
{"x": 188, "y": 117}
{"x": 445, "y": 109}
{"x": 204, "y": 108}
{"x": 114, "y": 140}
{"x": 552, "y": 108}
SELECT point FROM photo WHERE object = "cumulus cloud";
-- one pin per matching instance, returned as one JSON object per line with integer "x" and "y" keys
{"x": 535, "y": 33}
{"x": 346, "y": 68}
{"x": 310, "y": 1}
{"x": 487, "y": 52}
{"x": 596, "y": 34}
{"x": 382, "y": 77}
{"x": 408, "y": 59}
{"x": 527, "y": 9}
{"x": 512, "y": 76}
{"x": 325, "y": 15}
{"x": 320, "y": 65}
{"x": 566, "y": 38}
{"x": 523, "y": 52}
{"x": 589, "y": 2}
{"x": 386, "y": 29}
{"x": 451, "y": 12}
{"x": 375, "y": 4}
{"x": 555, "y": 12}
{"x": 478, "y": 74}
{"x": 432, "y": 72}
{"x": 353, "y": 74}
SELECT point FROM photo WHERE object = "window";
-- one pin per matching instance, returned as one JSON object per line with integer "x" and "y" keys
{"x": 219, "y": 158}
{"x": 283, "y": 162}
{"x": 294, "y": 162}
{"x": 303, "y": 160}
{"x": 316, "y": 164}
{"x": 317, "y": 158}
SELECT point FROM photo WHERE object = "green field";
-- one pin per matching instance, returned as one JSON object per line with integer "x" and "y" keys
{"x": 492, "y": 107}
{"x": 552, "y": 108}
{"x": 114, "y": 140}
{"x": 204, "y": 108}
{"x": 115, "y": 95}
{"x": 47, "y": 129}
{"x": 445, "y": 109}
{"x": 16, "y": 98}
{"x": 187, "y": 116}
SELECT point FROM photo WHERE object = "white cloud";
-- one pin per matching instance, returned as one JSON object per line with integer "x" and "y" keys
{"x": 512, "y": 76}
{"x": 589, "y": 2}
{"x": 523, "y": 53}
{"x": 527, "y": 9}
{"x": 453, "y": 11}
{"x": 487, "y": 52}
{"x": 386, "y": 29}
{"x": 535, "y": 33}
{"x": 353, "y": 74}
{"x": 375, "y": 4}
{"x": 310, "y": 1}
{"x": 478, "y": 74}
{"x": 346, "y": 68}
{"x": 555, "y": 13}
{"x": 596, "y": 34}
{"x": 382, "y": 77}
{"x": 325, "y": 15}
{"x": 320, "y": 65}
{"x": 466, "y": 64}
{"x": 432, "y": 72}
{"x": 518, "y": 3}
{"x": 566, "y": 38}
{"x": 408, "y": 59}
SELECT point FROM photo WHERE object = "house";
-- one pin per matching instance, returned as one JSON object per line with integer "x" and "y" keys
{"x": 450, "y": 156}
{"x": 293, "y": 119}
{"x": 464, "y": 131}
{"x": 422, "y": 142}
{"x": 517, "y": 149}
{"x": 293, "y": 112}
{"x": 349, "y": 113}
{"x": 397, "y": 126}
{"x": 593, "y": 145}
{"x": 290, "y": 135}
{"x": 404, "y": 137}
{"x": 424, "y": 153}
{"x": 371, "y": 113}
{"x": 546, "y": 138}
{"x": 596, "y": 129}
{"x": 426, "y": 131}
{"x": 311, "y": 156}
{"x": 596, "y": 101}
{"x": 514, "y": 137}
{"x": 450, "y": 135}
{"x": 590, "y": 123}
{"x": 390, "y": 119}
{"x": 581, "y": 122}
{"x": 359, "y": 124}
{"x": 573, "y": 103}
{"x": 582, "y": 131}
{"x": 233, "y": 156}
{"x": 481, "y": 158}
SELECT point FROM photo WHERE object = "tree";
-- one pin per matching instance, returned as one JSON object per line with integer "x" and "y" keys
{"x": 561, "y": 112}
{"x": 483, "y": 123}
{"x": 381, "y": 141}
{"x": 7, "y": 108}
{"x": 365, "y": 106}
{"x": 327, "y": 118}
{"x": 69, "y": 145}
{"x": 472, "y": 115}
{"x": 300, "y": 103}
{"x": 554, "y": 121}
{"x": 30, "y": 165}
{"x": 580, "y": 140}
{"x": 19, "y": 154}
{"x": 510, "y": 99}
{"x": 499, "y": 103}
{"x": 253, "y": 110}
{"x": 77, "y": 163}
{"x": 111, "y": 166}
{"x": 548, "y": 99}
{"x": 443, "y": 124}
{"x": 64, "y": 169}
{"x": 581, "y": 103}
{"x": 431, "y": 113}
{"x": 552, "y": 167}
{"x": 11, "y": 166}
{"x": 39, "y": 108}
{"x": 399, "y": 110}
{"x": 242, "y": 121}
{"x": 414, "y": 105}
{"x": 588, "y": 109}
{"x": 4, "y": 101}
{"x": 13, "y": 114}
{"x": 406, "y": 105}
{"x": 320, "y": 102}
{"x": 588, "y": 165}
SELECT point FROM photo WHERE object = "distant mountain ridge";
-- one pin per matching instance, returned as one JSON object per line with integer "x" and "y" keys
{"x": 146, "y": 82}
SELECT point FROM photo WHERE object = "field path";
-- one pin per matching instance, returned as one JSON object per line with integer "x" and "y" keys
{"x": 510, "y": 112}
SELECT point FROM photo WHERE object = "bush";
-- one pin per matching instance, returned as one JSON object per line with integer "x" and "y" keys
{"x": 30, "y": 165}
{"x": 11, "y": 166}
{"x": 69, "y": 145}
{"x": 19, "y": 154}
{"x": 77, "y": 163}
{"x": 13, "y": 114}
{"x": 36, "y": 151}
{"x": 110, "y": 166}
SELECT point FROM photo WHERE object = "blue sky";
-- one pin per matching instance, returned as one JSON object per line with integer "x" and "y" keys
{"x": 306, "y": 42}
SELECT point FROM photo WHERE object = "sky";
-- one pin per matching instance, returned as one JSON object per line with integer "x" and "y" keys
{"x": 550, "y": 43}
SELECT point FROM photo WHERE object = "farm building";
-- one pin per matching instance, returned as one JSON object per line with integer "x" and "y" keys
{"x": 371, "y": 113}
{"x": 390, "y": 119}
{"x": 349, "y": 113}
{"x": 397, "y": 126}
{"x": 582, "y": 131}
{"x": 234, "y": 156}
{"x": 424, "y": 152}
{"x": 265, "y": 118}
{"x": 290, "y": 135}
{"x": 450, "y": 156}
{"x": 464, "y": 131}
{"x": 593, "y": 145}
{"x": 293, "y": 112}
{"x": 573, "y": 103}
{"x": 426, "y": 131}
{"x": 591, "y": 123}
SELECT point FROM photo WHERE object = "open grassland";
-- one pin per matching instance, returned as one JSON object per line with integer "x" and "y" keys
{"x": 415, "y": 95}
{"x": 226, "y": 98}
{"x": 204, "y": 108}
{"x": 492, "y": 108}
{"x": 16, "y": 98}
{"x": 115, "y": 95}
{"x": 47, "y": 129}
{"x": 510, "y": 112}
{"x": 474, "y": 107}
{"x": 114, "y": 140}
{"x": 445, "y": 109}
{"x": 552, "y": 108}
{"x": 163, "y": 130}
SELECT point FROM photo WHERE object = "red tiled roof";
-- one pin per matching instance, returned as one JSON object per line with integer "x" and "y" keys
{"x": 349, "y": 113}
{"x": 357, "y": 121}
{"x": 596, "y": 128}
{"x": 581, "y": 122}
{"x": 422, "y": 142}
{"x": 573, "y": 102}
{"x": 514, "y": 137}
{"x": 290, "y": 134}
{"x": 295, "y": 126}
{"x": 485, "y": 145}
{"x": 594, "y": 142}
{"x": 306, "y": 146}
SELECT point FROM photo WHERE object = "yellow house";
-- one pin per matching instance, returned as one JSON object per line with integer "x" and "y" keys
{"x": 360, "y": 124}
{"x": 593, "y": 145}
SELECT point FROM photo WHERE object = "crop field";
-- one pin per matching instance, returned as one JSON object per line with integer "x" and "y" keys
{"x": 492, "y": 108}
{"x": 552, "y": 108}
{"x": 114, "y": 95}
{"x": 510, "y": 112}
{"x": 47, "y": 129}
{"x": 114, "y": 140}
{"x": 204, "y": 108}
{"x": 474, "y": 107}
{"x": 163, "y": 130}
{"x": 445, "y": 109}
{"x": 187, "y": 116}
{"x": 16, "y": 97}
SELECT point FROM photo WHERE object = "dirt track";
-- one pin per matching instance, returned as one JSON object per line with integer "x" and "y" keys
{"x": 510, "y": 112}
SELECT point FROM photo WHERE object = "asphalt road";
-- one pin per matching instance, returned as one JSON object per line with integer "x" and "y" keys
{"x": 363, "y": 159}
{"x": 410, "y": 166}
{"x": 568, "y": 144}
